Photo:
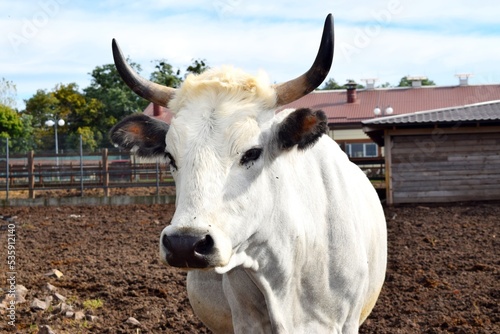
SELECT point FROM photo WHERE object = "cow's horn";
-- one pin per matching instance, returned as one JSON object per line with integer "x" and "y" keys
{"x": 294, "y": 89}
{"x": 149, "y": 90}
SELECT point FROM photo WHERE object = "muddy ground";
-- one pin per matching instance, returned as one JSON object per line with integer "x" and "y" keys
{"x": 443, "y": 273}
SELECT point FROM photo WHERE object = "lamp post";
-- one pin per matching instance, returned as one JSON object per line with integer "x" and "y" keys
{"x": 384, "y": 112}
{"x": 53, "y": 123}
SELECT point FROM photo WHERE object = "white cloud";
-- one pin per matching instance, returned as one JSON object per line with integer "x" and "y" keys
{"x": 59, "y": 41}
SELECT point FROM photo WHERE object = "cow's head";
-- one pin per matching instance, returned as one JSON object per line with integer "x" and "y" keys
{"x": 222, "y": 145}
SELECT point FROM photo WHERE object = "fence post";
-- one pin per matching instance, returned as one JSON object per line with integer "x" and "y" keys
{"x": 105, "y": 171}
{"x": 31, "y": 174}
{"x": 7, "y": 171}
{"x": 81, "y": 166}
{"x": 157, "y": 177}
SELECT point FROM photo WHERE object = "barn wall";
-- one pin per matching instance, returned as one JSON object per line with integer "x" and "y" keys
{"x": 445, "y": 167}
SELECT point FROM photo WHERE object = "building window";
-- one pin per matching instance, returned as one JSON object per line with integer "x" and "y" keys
{"x": 361, "y": 150}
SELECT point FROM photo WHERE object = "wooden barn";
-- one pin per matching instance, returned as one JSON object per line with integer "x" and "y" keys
{"x": 442, "y": 155}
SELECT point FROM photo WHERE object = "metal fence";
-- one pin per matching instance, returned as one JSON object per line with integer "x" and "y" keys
{"x": 79, "y": 171}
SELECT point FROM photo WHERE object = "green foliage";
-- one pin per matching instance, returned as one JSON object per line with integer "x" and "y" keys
{"x": 11, "y": 125}
{"x": 117, "y": 98}
{"x": 165, "y": 74}
{"x": 89, "y": 113}
{"x": 17, "y": 128}
{"x": 90, "y": 138}
{"x": 40, "y": 106}
{"x": 8, "y": 93}
{"x": 199, "y": 66}
{"x": 80, "y": 113}
{"x": 331, "y": 84}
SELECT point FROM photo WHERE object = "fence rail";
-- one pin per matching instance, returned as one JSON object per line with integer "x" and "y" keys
{"x": 105, "y": 170}
{"x": 79, "y": 172}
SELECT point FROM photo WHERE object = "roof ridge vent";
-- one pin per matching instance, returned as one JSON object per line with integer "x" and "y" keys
{"x": 370, "y": 83}
{"x": 416, "y": 81}
{"x": 463, "y": 78}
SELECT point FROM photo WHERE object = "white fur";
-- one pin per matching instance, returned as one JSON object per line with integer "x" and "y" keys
{"x": 300, "y": 235}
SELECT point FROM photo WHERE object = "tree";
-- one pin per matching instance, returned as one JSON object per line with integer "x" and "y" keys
{"x": 82, "y": 115}
{"x": 331, "y": 84}
{"x": 199, "y": 66}
{"x": 117, "y": 98}
{"x": 385, "y": 85}
{"x": 404, "y": 82}
{"x": 8, "y": 93}
{"x": 11, "y": 125}
{"x": 15, "y": 127}
{"x": 165, "y": 74}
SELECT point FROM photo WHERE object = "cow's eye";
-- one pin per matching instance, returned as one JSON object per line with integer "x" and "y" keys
{"x": 171, "y": 160}
{"x": 251, "y": 155}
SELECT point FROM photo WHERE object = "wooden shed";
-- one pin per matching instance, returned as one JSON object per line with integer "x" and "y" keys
{"x": 443, "y": 155}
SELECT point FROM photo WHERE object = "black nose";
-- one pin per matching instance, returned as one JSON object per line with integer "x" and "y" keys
{"x": 188, "y": 251}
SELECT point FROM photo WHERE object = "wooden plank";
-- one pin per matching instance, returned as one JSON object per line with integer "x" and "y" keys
{"x": 406, "y": 167}
{"x": 446, "y": 196}
{"x": 453, "y": 147}
{"x": 446, "y": 175}
{"x": 438, "y": 132}
{"x": 443, "y": 185}
{"x": 472, "y": 157}
{"x": 415, "y": 159}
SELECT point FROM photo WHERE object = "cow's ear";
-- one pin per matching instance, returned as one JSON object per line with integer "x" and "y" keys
{"x": 303, "y": 128}
{"x": 142, "y": 133}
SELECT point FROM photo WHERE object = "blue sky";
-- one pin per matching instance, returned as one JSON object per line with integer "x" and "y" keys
{"x": 48, "y": 42}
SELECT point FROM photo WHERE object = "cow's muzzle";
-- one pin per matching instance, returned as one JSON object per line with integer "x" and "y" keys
{"x": 187, "y": 251}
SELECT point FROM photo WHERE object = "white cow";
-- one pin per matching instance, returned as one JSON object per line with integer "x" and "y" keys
{"x": 282, "y": 233}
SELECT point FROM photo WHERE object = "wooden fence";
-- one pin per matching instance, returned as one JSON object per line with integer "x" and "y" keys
{"x": 104, "y": 170}
{"x": 79, "y": 172}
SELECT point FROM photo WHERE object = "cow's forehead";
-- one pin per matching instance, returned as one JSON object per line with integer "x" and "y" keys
{"x": 224, "y": 107}
{"x": 218, "y": 88}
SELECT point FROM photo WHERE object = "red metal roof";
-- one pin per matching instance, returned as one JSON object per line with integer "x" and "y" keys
{"x": 478, "y": 112}
{"x": 402, "y": 100}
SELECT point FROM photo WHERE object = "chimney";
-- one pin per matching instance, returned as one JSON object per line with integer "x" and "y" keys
{"x": 463, "y": 78}
{"x": 370, "y": 83}
{"x": 156, "y": 110}
{"x": 351, "y": 91}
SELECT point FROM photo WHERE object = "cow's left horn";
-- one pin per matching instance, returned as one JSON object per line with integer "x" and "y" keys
{"x": 149, "y": 90}
{"x": 294, "y": 89}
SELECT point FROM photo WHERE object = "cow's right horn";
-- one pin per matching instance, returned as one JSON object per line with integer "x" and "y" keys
{"x": 292, "y": 90}
{"x": 149, "y": 90}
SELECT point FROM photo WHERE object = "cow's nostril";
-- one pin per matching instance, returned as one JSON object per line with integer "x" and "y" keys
{"x": 204, "y": 246}
{"x": 166, "y": 243}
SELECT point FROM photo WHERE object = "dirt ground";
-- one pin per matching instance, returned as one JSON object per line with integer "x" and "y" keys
{"x": 443, "y": 273}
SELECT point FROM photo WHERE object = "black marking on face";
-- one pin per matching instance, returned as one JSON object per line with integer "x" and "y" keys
{"x": 171, "y": 160}
{"x": 139, "y": 131}
{"x": 303, "y": 128}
